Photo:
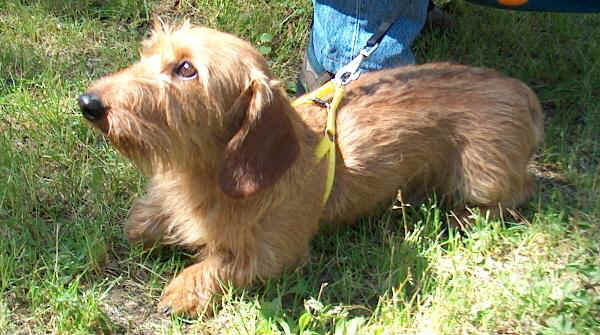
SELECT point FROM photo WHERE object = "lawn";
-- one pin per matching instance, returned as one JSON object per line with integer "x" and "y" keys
{"x": 66, "y": 267}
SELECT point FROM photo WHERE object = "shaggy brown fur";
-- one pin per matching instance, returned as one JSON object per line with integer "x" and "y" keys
{"x": 231, "y": 164}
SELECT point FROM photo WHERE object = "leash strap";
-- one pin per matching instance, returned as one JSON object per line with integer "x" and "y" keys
{"x": 381, "y": 30}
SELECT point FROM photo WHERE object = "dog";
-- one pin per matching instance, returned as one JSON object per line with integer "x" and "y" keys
{"x": 231, "y": 165}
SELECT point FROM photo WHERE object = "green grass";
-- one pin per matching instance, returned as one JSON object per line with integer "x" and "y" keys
{"x": 65, "y": 267}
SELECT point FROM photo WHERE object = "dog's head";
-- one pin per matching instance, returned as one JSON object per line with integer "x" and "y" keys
{"x": 198, "y": 99}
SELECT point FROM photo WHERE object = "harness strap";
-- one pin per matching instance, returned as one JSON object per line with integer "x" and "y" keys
{"x": 327, "y": 144}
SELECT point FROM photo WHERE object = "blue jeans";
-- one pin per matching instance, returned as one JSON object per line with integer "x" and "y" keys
{"x": 342, "y": 27}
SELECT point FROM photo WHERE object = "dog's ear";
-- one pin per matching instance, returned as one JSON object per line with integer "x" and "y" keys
{"x": 265, "y": 145}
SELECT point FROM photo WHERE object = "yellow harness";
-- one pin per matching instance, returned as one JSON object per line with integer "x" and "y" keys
{"x": 333, "y": 90}
{"x": 327, "y": 144}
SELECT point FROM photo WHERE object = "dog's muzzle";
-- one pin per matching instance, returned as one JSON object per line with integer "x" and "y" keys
{"x": 91, "y": 107}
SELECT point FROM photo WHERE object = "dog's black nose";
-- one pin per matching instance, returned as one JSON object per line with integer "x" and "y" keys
{"x": 91, "y": 106}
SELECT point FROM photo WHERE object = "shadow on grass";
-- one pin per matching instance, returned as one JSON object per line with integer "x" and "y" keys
{"x": 351, "y": 269}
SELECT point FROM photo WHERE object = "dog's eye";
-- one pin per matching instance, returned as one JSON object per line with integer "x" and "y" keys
{"x": 185, "y": 70}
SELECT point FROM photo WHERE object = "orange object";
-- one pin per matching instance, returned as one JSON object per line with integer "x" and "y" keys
{"x": 512, "y": 2}
{"x": 564, "y": 6}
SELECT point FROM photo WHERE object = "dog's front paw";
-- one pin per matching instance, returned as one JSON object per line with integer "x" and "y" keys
{"x": 189, "y": 293}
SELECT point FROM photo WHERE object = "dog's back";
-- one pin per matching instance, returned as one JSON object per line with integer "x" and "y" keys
{"x": 465, "y": 133}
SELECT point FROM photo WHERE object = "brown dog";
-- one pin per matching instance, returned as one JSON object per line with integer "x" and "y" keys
{"x": 231, "y": 164}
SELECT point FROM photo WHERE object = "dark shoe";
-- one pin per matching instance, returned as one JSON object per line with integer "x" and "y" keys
{"x": 308, "y": 79}
{"x": 436, "y": 18}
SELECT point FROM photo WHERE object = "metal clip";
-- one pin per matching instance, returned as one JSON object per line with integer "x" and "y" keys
{"x": 366, "y": 51}
{"x": 351, "y": 71}
{"x": 320, "y": 102}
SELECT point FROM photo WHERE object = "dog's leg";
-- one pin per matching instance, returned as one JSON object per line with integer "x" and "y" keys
{"x": 463, "y": 216}
{"x": 247, "y": 255}
{"x": 192, "y": 290}
{"x": 502, "y": 188}
{"x": 146, "y": 222}
{"x": 493, "y": 187}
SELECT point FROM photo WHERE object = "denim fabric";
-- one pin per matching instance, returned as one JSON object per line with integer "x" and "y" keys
{"x": 342, "y": 27}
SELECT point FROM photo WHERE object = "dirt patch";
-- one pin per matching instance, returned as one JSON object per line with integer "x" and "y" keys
{"x": 132, "y": 310}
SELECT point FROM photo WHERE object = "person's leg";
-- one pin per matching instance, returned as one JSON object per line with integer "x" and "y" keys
{"x": 341, "y": 29}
